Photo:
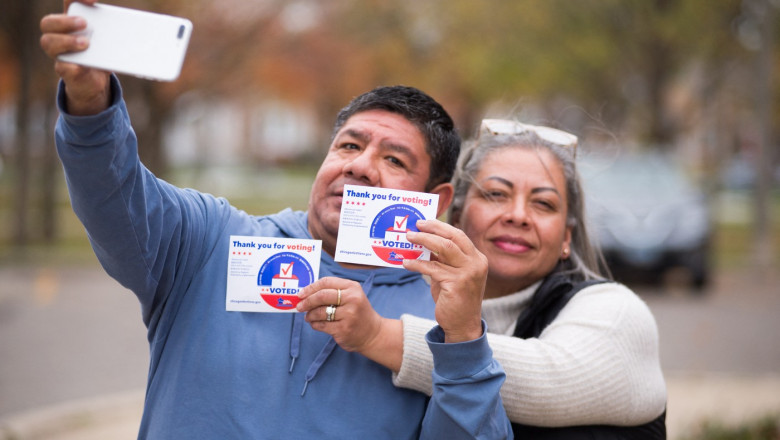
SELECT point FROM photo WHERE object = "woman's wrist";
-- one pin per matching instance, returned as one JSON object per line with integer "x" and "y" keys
{"x": 464, "y": 333}
{"x": 386, "y": 347}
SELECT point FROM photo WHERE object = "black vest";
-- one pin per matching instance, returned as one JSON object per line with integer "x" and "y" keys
{"x": 547, "y": 301}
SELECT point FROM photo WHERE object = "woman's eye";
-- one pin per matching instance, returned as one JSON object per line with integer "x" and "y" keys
{"x": 493, "y": 195}
{"x": 544, "y": 204}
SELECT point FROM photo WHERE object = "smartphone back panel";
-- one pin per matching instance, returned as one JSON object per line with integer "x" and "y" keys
{"x": 133, "y": 42}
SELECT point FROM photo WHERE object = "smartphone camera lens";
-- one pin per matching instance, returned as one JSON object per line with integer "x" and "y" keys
{"x": 181, "y": 32}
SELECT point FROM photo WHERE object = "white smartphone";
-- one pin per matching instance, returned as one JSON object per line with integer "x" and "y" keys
{"x": 133, "y": 42}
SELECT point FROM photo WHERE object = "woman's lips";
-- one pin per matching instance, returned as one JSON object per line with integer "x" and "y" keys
{"x": 510, "y": 244}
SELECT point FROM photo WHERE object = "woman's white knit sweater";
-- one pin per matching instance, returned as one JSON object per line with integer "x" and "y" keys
{"x": 596, "y": 363}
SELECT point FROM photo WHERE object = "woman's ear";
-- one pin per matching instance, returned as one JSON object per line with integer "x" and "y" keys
{"x": 454, "y": 219}
{"x": 566, "y": 247}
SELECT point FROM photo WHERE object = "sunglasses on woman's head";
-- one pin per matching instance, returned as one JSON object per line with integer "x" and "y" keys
{"x": 508, "y": 127}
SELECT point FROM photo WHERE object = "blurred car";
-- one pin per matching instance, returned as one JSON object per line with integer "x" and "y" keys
{"x": 647, "y": 216}
{"x": 739, "y": 174}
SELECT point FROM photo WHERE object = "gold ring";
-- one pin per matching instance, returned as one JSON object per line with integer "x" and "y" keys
{"x": 330, "y": 313}
{"x": 338, "y": 300}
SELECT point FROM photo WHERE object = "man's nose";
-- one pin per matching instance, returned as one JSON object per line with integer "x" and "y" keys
{"x": 364, "y": 167}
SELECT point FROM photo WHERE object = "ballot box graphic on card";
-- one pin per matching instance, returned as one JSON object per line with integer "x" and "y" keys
{"x": 388, "y": 234}
{"x": 374, "y": 223}
{"x": 265, "y": 274}
{"x": 281, "y": 277}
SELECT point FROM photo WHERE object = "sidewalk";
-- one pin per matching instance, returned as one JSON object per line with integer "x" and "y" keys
{"x": 727, "y": 400}
{"x": 114, "y": 417}
{"x": 693, "y": 398}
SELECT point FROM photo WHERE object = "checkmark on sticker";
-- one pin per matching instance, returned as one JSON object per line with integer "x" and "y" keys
{"x": 400, "y": 225}
{"x": 286, "y": 269}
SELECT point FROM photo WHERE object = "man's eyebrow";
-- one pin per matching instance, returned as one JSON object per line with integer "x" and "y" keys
{"x": 395, "y": 147}
{"x": 357, "y": 134}
{"x": 401, "y": 149}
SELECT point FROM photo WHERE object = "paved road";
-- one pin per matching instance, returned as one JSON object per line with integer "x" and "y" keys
{"x": 732, "y": 328}
{"x": 67, "y": 333}
{"x": 73, "y": 333}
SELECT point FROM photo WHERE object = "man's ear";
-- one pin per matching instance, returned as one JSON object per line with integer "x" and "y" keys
{"x": 445, "y": 192}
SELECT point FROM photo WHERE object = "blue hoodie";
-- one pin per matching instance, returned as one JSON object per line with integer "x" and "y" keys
{"x": 213, "y": 373}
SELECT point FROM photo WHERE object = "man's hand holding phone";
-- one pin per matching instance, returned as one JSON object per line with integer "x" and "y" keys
{"x": 87, "y": 89}
{"x": 104, "y": 38}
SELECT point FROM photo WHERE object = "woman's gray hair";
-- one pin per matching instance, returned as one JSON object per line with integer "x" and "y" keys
{"x": 585, "y": 261}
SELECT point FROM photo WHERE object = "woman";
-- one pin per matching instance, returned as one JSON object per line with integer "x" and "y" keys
{"x": 580, "y": 352}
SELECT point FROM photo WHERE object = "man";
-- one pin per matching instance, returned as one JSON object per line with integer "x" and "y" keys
{"x": 219, "y": 374}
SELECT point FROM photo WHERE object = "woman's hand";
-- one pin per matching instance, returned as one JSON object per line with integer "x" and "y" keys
{"x": 458, "y": 272}
{"x": 87, "y": 90}
{"x": 354, "y": 324}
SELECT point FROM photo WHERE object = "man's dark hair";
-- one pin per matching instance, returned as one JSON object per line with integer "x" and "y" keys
{"x": 441, "y": 137}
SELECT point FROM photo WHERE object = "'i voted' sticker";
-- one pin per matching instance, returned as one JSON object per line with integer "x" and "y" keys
{"x": 265, "y": 274}
{"x": 374, "y": 223}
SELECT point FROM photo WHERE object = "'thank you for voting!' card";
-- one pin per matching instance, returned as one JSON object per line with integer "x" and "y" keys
{"x": 374, "y": 223}
{"x": 266, "y": 273}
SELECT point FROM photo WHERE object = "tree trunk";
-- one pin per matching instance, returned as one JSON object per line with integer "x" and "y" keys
{"x": 22, "y": 191}
{"x": 49, "y": 177}
{"x": 149, "y": 124}
{"x": 764, "y": 14}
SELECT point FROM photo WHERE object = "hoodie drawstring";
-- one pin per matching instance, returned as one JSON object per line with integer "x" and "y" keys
{"x": 329, "y": 346}
{"x": 315, "y": 366}
{"x": 295, "y": 338}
